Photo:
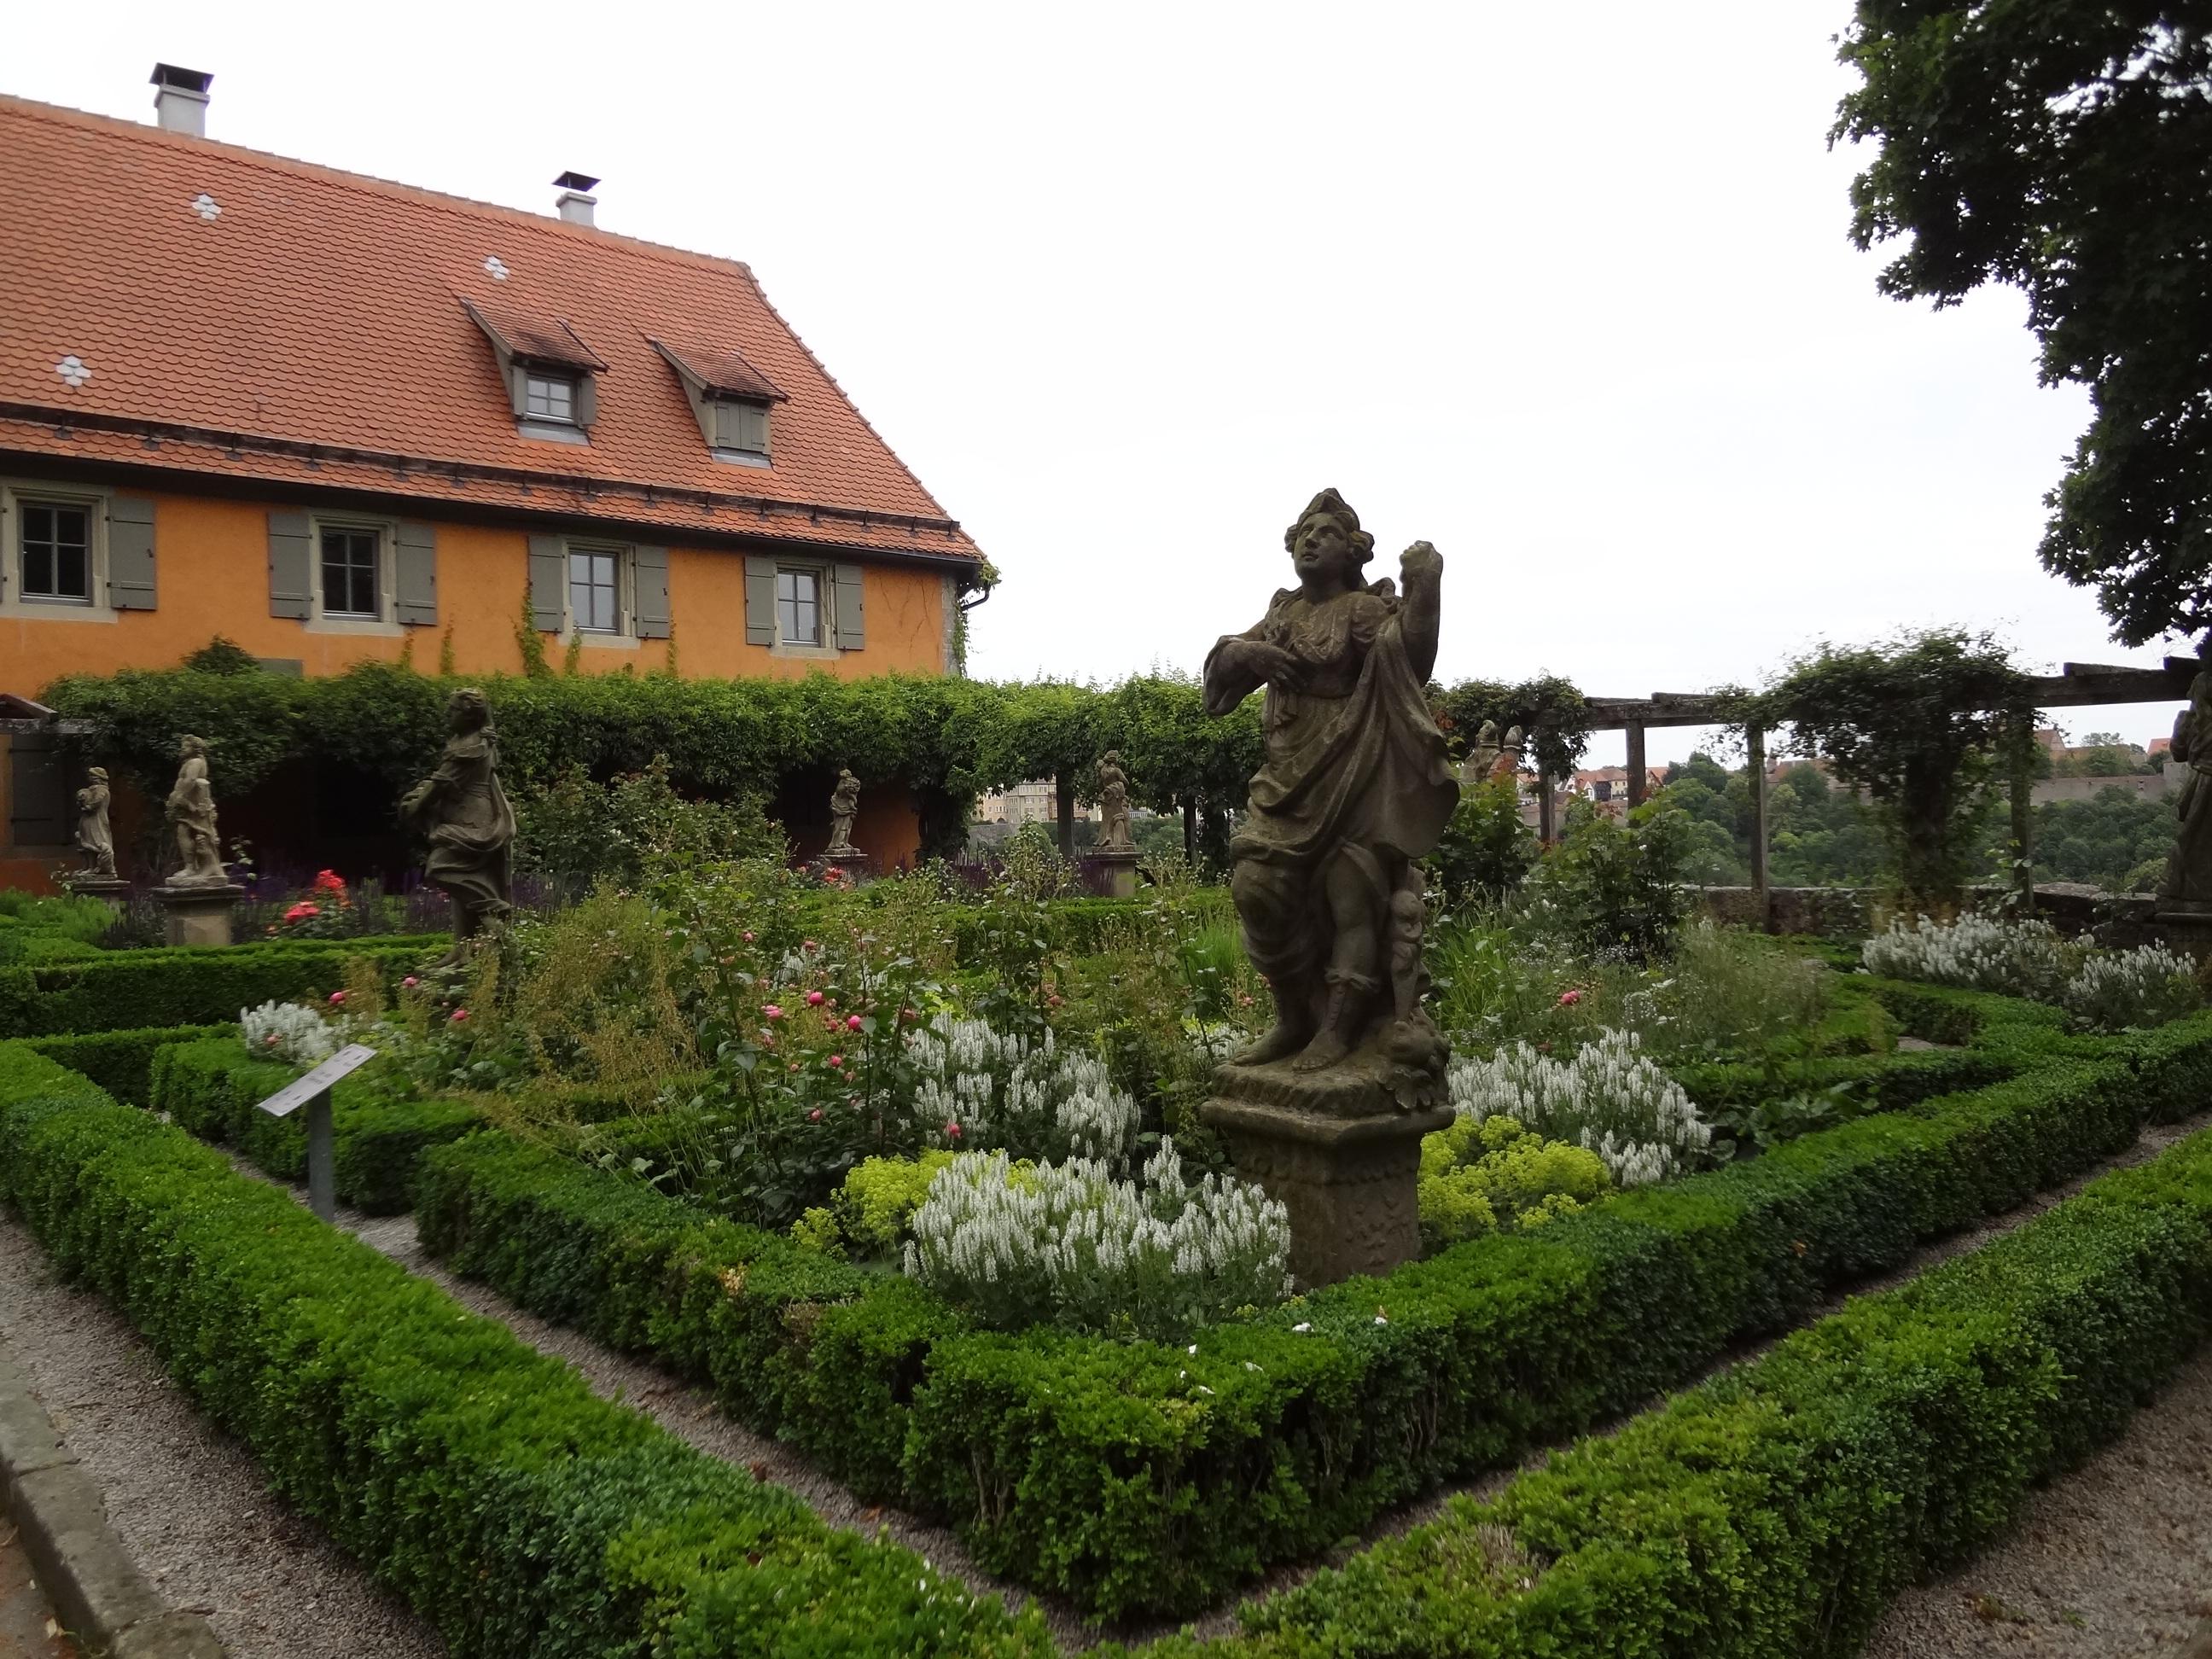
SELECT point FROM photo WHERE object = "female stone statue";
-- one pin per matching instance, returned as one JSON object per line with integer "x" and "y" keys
{"x": 844, "y": 807}
{"x": 191, "y": 811}
{"x": 1114, "y": 805}
{"x": 94, "y": 838}
{"x": 462, "y": 812}
{"x": 1356, "y": 787}
{"x": 2187, "y": 884}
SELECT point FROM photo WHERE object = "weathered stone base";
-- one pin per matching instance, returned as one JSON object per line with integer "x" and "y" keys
{"x": 113, "y": 889}
{"x": 859, "y": 867}
{"x": 198, "y": 915}
{"x": 1117, "y": 874}
{"x": 1338, "y": 1155}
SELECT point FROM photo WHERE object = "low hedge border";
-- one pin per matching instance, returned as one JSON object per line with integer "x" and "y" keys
{"x": 121, "y": 1062}
{"x": 211, "y": 1087}
{"x": 482, "y": 1480}
{"x": 126, "y": 989}
{"x": 1133, "y": 1477}
{"x": 1775, "y": 1512}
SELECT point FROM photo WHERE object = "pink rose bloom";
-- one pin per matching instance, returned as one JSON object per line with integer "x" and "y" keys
{"x": 269, "y": 1042}
{"x": 952, "y": 1130}
{"x": 851, "y": 1022}
{"x": 409, "y": 982}
{"x": 814, "y": 999}
{"x": 460, "y": 1015}
{"x": 815, "y": 1116}
{"x": 1568, "y": 999}
{"x": 808, "y": 945}
{"x": 338, "y": 996}
{"x": 836, "y": 1060}
{"x": 771, "y": 1011}
{"x": 746, "y": 936}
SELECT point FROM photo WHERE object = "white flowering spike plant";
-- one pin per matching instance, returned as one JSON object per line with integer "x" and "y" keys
{"x": 2104, "y": 990}
{"x": 2145, "y": 986}
{"x": 1068, "y": 1244}
{"x": 1607, "y": 1097}
{"x": 977, "y": 1088}
{"x": 288, "y": 1031}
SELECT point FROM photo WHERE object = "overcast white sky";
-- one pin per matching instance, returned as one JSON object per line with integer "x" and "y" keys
{"x": 1565, "y": 292}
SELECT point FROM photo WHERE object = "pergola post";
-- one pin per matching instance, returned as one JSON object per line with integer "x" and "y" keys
{"x": 1063, "y": 791}
{"x": 2023, "y": 813}
{"x": 1545, "y": 828}
{"x": 1754, "y": 751}
{"x": 1637, "y": 767}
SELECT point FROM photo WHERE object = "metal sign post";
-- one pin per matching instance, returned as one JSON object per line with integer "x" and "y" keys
{"x": 313, "y": 1092}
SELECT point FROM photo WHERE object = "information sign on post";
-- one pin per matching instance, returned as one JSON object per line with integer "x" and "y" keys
{"x": 313, "y": 1092}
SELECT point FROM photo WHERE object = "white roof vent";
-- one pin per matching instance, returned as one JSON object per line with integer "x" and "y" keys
{"x": 180, "y": 99}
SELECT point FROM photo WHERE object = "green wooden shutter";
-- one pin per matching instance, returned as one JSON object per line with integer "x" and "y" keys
{"x": 131, "y": 553}
{"x": 652, "y": 607}
{"x": 290, "y": 566}
{"x": 586, "y": 403}
{"x": 760, "y": 601}
{"x": 415, "y": 557}
{"x": 549, "y": 579}
{"x": 851, "y": 619}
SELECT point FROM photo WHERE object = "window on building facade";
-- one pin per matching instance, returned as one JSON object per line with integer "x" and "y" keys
{"x": 55, "y": 555}
{"x": 595, "y": 590}
{"x": 549, "y": 398}
{"x": 741, "y": 427}
{"x": 350, "y": 559}
{"x": 798, "y": 607}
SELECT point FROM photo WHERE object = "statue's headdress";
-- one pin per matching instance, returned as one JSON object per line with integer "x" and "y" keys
{"x": 1335, "y": 506}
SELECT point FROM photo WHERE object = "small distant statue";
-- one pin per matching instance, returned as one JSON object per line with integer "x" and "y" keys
{"x": 1355, "y": 790}
{"x": 190, "y": 811}
{"x": 844, "y": 807}
{"x": 1492, "y": 756}
{"x": 1114, "y": 805}
{"x": 94, "y": 839}
{"x": 463, "y": 813}
{"x": 2187, "y": 884}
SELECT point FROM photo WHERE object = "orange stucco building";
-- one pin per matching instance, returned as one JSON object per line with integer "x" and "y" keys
{"x": 335, "y": 420}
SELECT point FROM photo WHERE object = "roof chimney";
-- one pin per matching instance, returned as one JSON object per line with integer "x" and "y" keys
{"x": 181, "y": 104}
{"x": 575, "y": 201}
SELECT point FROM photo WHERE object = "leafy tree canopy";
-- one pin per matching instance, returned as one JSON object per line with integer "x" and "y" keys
{"x": 2065, "y": 147}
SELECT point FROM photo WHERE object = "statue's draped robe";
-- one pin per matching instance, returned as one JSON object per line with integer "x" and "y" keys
{"x": 190, "y": 809}
{"x": 471, "y": 824}
{"x": 94, "y": 838}
{"x": 1354, "y": 759}
{"x": 2189, "y": 871}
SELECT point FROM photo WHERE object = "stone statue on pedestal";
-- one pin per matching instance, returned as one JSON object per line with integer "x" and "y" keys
{"x": 2187, "y": 888}
{"x": 1326, "y": 1109}
{"x": 1114, "y": 805}
{"x": 94, "y": 838}
{"x": 190, "y": 811}
{"x": 844, "y": 807}
{"x": 463, "y": 813}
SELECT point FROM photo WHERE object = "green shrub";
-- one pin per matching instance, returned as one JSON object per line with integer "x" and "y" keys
{"x": 124, "y": 990}
{"x": 1493, "y": 1175}
{"x": 483, "y": 1481}
{"x": 1615, "y": 887}
{"x": 121, "y": 1062}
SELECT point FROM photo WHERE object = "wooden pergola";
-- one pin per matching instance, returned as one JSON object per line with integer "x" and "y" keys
{"x": 2076, "y": 685}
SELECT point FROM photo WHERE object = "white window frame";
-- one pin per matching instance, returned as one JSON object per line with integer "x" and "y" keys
{"x": 385, "y": 623}
{"x": 624, "y": 636}
{"x": 825, "y": 588}
{"x": 14, "y": 494}
{"x": 549, "y": 377}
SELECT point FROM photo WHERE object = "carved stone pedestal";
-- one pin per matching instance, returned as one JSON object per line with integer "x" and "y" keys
{"x": 1117, "y": 874}
{"x": 1337, "y": 1153}
{"x": 198, "y": 915}
{"x": 113, "y": 889}
{"x": 860, "y": 867}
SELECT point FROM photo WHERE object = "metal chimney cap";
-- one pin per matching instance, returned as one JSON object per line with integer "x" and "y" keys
{"x": 184, "y": 80}
{"x": 577, "y": 181}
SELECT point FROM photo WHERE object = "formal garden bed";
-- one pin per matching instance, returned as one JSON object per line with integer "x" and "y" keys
{"x": 1661, "y": 1155}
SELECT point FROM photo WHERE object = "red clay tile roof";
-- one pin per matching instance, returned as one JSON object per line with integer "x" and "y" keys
{"x": 724, "y": 374}
{"x": 533, "y": 339}
{"x": 246, "y": 315}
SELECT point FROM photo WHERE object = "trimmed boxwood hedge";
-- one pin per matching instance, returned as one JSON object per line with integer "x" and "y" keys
{"x": 480, "y": 1480}
{"x": 1134, "y": 1476}
{"x": 212, "y": 1087}
{"x": 120, "y": 990}
{"x": 121, "y": 1062}
{"x": 1775, "y": 1512}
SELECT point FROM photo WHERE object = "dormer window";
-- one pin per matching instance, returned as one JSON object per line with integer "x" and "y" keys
{"x": 551, "y": 375}
{"x": 549, "y": 398}
{"x": 730, "y": 398}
